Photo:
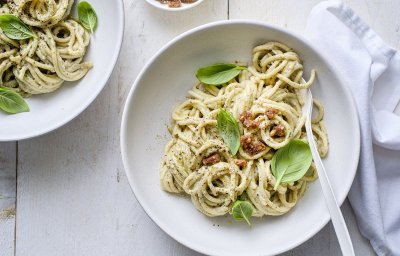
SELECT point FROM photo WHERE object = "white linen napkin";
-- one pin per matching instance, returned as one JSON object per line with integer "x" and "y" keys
{"x": 371, "y": 69}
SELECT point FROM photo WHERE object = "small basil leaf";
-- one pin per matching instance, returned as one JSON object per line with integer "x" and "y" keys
{"x": 242, "y": 210}
{"x": 218, "y": 74}
{"x": 14, "y": 28}
{"x": 87, "y": 16}
{"x": 11, "y": 102}
{"x": 291, "y": 163}
{"x": 228, "y": 129}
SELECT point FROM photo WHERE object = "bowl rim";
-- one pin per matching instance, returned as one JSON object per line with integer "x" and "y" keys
{"x": 129, "y": 100}
{"x": 93, "y": 96}
{"x": 166, "y": 8}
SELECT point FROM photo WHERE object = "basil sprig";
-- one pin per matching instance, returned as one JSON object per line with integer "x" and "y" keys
{"x": 228, "y": 129}
{"x": 14, "y": 28}
{"x": 242, "y": 210}
{"x": 11, "y": 102}
{"x": 291, "y": 163}
{"x": 87, "y": 16}
{"x": 218, "y": 74}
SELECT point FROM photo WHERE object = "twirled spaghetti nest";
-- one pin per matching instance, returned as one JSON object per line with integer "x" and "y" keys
{"x": 41, "y": 64}
{"x": 266, "y": 100}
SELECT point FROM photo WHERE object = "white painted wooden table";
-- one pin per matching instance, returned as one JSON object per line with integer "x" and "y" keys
{"x": 66, "y": 193}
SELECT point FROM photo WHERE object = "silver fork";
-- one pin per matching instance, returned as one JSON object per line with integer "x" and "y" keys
{"x": 336, "y": 215}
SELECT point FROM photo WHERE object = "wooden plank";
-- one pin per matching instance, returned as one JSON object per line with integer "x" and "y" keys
{"x": 73, "y": 196}
{"x": 7, "y": 197}
{"x": 284, "y": 13}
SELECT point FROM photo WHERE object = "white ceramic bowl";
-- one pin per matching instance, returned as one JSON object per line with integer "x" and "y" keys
{"x": 164, "y": 82}
{"x": 50, "y": 111}
{"x": 165, "y": 7}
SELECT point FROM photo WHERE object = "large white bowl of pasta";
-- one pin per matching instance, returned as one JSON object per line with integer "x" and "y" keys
{"x": 55, "y": 58}
{"x": 213, "y": 138}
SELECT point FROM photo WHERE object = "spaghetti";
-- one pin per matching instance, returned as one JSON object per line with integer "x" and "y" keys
{"x": 266, "y": 101}
{"x": 41, "y": 64}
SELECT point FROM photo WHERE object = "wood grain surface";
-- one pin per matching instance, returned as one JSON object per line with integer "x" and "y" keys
{"x": 8, "y": 190}
{"x": 68, "y": 188}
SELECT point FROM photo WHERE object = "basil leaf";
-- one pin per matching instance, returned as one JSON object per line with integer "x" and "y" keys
{"x": 242, "y": 210}
{"x": 87, "y": 16}
{"x": 11, "y": 102}
{"x": 228, "y": 129}
{"x": 218, "y": 73}
{"x": 291, "y": 162}
{"x": 14, "y": 28}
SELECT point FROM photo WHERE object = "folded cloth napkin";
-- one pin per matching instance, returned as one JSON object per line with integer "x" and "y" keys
{"x": 371, "y": 69}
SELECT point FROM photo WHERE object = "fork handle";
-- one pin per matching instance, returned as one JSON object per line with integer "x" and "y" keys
{"x": 336, "y": 215}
